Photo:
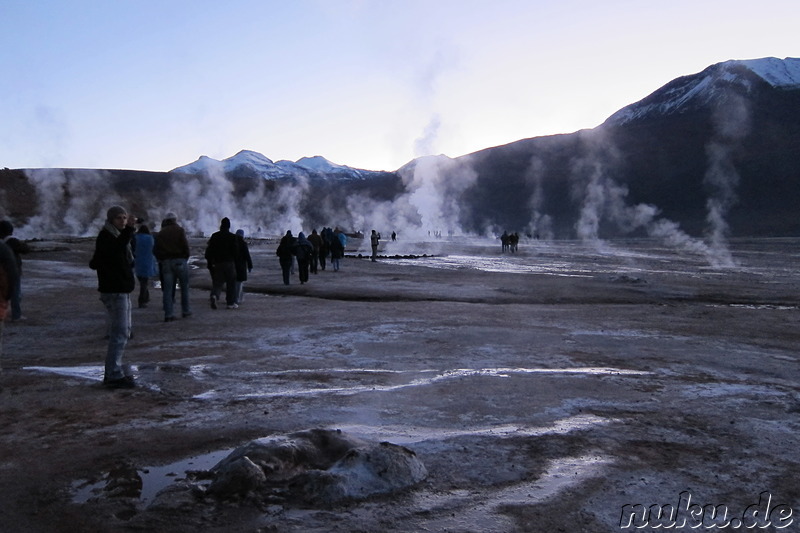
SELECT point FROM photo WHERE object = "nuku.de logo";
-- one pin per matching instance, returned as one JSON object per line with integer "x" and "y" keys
{"x": 694, "y": 516}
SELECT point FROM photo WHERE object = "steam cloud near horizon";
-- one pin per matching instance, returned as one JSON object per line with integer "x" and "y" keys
{"x": 76, "y": 204}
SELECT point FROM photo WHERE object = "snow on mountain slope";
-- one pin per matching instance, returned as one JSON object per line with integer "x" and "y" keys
{"x": 248, "y": 163}
{"x": 703, "y": 88}
{"x": 777, "y": 72}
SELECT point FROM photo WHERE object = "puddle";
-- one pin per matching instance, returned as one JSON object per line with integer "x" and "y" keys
{"x": 154, "y": 478}
{"x": 481, "y": 509}
{"x": 96, "y": 372}
{"x": 294, "y": 390}
{"x": 93, "y": 373}
{"x": 407, "y": 435}
{"x": 771, "y": 307}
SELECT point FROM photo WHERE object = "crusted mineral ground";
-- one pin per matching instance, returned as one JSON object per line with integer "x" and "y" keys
{"x": 542, "y": 391}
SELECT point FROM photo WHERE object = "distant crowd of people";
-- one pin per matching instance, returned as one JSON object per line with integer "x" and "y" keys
{"x": 124, "y": 254}
{"x": 510, "y": 242}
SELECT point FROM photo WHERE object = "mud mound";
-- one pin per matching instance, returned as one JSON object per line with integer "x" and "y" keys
{"x": 317, "y": 467}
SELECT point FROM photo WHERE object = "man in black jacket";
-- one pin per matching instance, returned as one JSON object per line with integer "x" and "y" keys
{"x": 113, "y": 261}
{"x": 221, "y": 253}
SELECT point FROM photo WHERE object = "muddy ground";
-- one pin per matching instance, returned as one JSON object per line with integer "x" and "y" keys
{"x": 537, "y": 402}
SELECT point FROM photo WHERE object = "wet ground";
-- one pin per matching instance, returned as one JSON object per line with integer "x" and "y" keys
{"x": 543, "y": 391}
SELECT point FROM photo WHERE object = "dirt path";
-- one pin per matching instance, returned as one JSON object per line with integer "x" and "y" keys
{"x": 536, "y": 402}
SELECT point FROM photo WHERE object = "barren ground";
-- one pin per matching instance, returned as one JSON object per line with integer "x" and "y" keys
{"x": 537, "y": 402}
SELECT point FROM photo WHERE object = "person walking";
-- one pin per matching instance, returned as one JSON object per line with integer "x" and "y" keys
{"x": 285, "y": 253}
{"x": 316, "y": 243}
{"x": 8, "y": 282}
{"x": 221, "y": 253}
{"x": 303, "y": 251}
{"x": 144, "y": 262}
{"x": 113, "y": 261}
{"x": 374, "y": 239}
{"x": 325, "y": 245}
{"x": 337, "y": 245}
{"x": 244, "y": 264}
{"x": 172, "y": 252}
{"x": 18, "y": 248}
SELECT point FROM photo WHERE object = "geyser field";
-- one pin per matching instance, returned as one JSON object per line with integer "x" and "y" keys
{"x": 542, "y": 391}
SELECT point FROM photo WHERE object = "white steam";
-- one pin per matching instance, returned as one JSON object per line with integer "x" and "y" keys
{"x": 731, "y": 122}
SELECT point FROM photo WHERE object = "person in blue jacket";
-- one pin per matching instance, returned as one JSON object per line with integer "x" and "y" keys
{"x": 144, "y": 262}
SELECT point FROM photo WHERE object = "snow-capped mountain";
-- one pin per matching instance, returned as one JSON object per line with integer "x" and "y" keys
{"x": 250, "y": 164}
{"x": 724, "y": 139}
{"x": 698, "y": 90}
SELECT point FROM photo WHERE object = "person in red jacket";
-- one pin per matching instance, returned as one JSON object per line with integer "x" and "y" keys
{"x": 113, "y": 261}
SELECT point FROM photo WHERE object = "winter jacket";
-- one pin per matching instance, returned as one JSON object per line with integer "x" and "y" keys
{"x": 171, "y": 242}
{"x": 8, "y": 278}
{"x": 223, "y": 247}
{"x": 244, "y": 263}
{"x": 144, "y": 262}
{"x": 113, "y": 261}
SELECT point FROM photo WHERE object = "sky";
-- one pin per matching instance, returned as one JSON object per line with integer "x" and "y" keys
{"x": 372, "y": 84}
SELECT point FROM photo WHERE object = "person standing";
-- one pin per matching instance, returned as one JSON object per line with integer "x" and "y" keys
{"x": 338, "y": 242}
{"x": 221, "y": 253}
{"x": 374, "y": 239}
{"x": 8, "y": 281}
{"x": 17, "y": 248}
{"x": 144, "y": 262}
{"x": 244, "y": 264}
{"x": 172, "y": 252}
{"x": 285, "y": 253}
{"x": 113, "y": 261}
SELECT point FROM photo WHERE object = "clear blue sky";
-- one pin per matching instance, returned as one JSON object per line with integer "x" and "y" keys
{"x": 153, "y": 85}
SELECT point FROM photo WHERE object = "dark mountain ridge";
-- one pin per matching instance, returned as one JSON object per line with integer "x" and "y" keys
{"x": 713, "y": 155}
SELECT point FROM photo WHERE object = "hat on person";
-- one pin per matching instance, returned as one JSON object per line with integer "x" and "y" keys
{"x": 171, "y": 216}
{"x": 6, "y": 228}
{"x": 240, "y": 232}
{"x": 225, "y": 223}
{"x": 115, "y": 211}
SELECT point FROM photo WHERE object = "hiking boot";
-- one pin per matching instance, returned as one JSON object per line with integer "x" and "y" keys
{"x": 126, "y": 382}
{"x": 169, "y": 319}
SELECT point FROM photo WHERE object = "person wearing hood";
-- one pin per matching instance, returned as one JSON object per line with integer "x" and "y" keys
{"x": 285, "y": 253}
{"x": 113, "y": 261}
{"x": 172, "y": 251}
{"x": 338, "y": 242}
{"x": 144, "y": 262}
{"x": 221, "y": 253}
{"x": 303, "y": 251}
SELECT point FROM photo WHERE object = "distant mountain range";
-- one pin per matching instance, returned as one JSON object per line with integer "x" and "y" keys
{"x": 708, "y": 156}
